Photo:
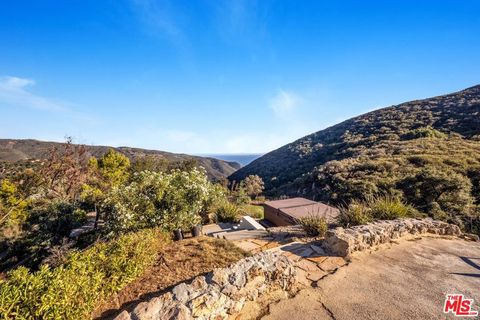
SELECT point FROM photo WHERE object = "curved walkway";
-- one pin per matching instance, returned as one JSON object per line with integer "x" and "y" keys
{"x": 407, "y": 281}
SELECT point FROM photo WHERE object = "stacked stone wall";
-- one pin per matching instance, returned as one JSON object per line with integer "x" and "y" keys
{"x": 221, "y": 293}
{"x": 343, "y": 242}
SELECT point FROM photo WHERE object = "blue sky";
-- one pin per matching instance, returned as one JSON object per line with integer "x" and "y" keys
{"x": 218, "y": 76}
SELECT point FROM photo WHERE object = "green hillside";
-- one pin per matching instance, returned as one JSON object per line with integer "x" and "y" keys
{"x": 425, "y": 151}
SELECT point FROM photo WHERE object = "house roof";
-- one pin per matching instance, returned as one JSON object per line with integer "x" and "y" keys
{"x": 286, "y": 203}
{"x": 301, "y": 207}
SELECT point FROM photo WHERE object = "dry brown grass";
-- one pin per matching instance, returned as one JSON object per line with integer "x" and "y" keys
{"x": 178, "y": 261}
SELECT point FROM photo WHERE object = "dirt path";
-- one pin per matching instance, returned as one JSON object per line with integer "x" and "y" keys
{"x": 407, "y": 281}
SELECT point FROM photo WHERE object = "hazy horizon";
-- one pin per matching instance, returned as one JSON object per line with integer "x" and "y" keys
{"x": 242, "y": 158}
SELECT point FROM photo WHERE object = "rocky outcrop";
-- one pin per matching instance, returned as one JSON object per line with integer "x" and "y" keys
{"x": 343, "y": 242}
{"x": 220, "y": 293}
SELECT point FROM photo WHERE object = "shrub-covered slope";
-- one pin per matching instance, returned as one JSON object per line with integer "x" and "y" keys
{"x": 426, "y": 151}
{"x": 17, "y": 151}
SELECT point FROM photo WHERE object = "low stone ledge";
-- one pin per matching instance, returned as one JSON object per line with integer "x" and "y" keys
{"x": 222, "y": 292}
{"x": 343, "y": 242}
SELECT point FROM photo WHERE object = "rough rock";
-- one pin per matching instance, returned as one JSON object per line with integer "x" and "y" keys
{"x": 147, "y": 310}
{"x": 470, "y": 237}
{"x": 343, "y": 242}
{"x": 222, "y": 292}
{"x": 124, "y": 316}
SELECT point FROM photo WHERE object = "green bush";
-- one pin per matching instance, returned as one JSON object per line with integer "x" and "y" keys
{"x": 240, "y": 196}
{"x": 253, "y": 185}
{"x": 260, "y": 199}
{"x": 169, "y": 200}
{"x": 424, "y": 132}
{"x": 227, "y": 212}
{"x": 386, "y": 151}
{"x": 314, "y": 225}
{"x": 444, "y": 194}
{"x": 356, "y": 213}
{"x": 72, "y": 291}
{"x": 13, "y": 209}
{"x": 375, "y": 208}
{"x": 57, "y": 218}
{"x": 390, "y": 208}
{"x": 254, "y": 211}
{"x": 217, "y": 195}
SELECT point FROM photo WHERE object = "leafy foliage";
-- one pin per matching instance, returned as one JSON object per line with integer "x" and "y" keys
{"x": 71, "y": 291}
{"x": 111, "y": 170}
{"x": 375, "y": 208}
{"x": 356, "y": 213}
{"x": 64, "y": 172}
{"x": 239, "y": 196}
{"x": 47, "y": 225}
{"x": 217, "y": 195}
{"x": 228, "y": 212}
{"x": 242, "y": 193}
{"x": 170, "y": 200}
{"x": 253, "y": 185}
{"x": 426, "y": 153}
{"x": 44, "y": 201}
{"x": 150, "y": 163}
{"x": 254, "y": 211}
{"x": 113, "y": 167}
{"x": 445, "y": 194}
{"x": 13, "y": 209}
{"x": 424, "y": 132}
{"x": 56, "y": 219}
{"x": 314, "y": 225}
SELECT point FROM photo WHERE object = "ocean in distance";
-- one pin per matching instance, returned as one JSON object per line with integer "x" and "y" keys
{"x": 243, "y": 159}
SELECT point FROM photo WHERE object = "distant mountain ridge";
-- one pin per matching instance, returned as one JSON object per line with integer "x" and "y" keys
{"x": 12, "y": 150}
{"x": 305, "y": 166}
{"x": 241, "y": 158}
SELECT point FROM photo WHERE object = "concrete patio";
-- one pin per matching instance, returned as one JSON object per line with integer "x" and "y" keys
{"x": 404, "y": 280}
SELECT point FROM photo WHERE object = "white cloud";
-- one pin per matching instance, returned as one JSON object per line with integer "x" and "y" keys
{"x": 284, "y": 102}
{"x": 17, "y": 83}
{"x": 14, "y": 91}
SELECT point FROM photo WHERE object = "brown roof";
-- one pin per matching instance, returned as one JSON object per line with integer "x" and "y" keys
{"x": 293, "y": 202}
{"x": 301, "y": 207}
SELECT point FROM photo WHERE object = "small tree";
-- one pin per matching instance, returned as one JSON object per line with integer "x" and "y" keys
{"x": 253, "y": 185}
{"x": 110, "y": 171}
{"x": 114, "y": 168}
{"x": 64, "y": 172}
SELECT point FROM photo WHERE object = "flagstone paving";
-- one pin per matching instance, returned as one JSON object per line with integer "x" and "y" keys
{"x": 311, "y": 262}
{"x": 311, "y": 266}
{"x": 406, "y": 281}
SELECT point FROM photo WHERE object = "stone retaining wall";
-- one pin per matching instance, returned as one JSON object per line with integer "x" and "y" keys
{"x": 343, "y": 242}
{"x": 222, "y": 292}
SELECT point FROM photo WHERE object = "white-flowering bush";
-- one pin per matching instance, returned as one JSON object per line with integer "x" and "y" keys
{"x": 171, "y": 200}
